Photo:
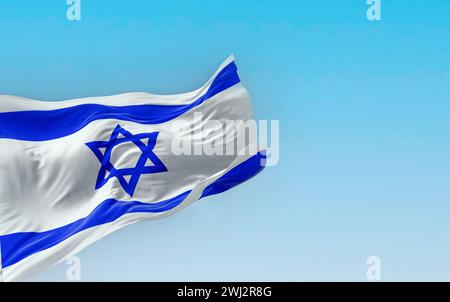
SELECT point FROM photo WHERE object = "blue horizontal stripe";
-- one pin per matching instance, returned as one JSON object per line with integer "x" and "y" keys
{"x": 237, "y": 175}
{"x": 18, "y": 246}
{"x": 52, "y": 124}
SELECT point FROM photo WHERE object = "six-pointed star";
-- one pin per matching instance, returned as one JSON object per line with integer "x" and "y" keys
{"x": 128, "y": 177}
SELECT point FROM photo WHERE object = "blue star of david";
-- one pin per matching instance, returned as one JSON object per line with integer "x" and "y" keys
{"x": 128, "y": 177}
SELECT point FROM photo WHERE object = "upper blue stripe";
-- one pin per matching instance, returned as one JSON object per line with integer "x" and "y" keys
{"x": 18, "y": 246}
{"x": 52, "y": 124}
{"x": 237, "y": 175}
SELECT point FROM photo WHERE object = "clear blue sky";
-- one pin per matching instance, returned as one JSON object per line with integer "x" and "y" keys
{"x": 364, "y": 113}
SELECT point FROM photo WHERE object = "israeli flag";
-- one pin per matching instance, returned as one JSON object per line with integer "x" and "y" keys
{"x": 72, "y": 172}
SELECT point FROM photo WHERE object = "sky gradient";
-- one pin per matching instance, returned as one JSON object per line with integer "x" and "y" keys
{"x": 364, "y": 127}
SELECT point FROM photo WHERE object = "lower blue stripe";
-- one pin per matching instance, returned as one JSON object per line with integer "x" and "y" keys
{"x": 52, "y": 124}
{"x": 18, "y": 246}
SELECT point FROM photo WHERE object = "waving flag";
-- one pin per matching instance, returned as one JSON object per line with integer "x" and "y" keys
{"x": 72, "y": 172}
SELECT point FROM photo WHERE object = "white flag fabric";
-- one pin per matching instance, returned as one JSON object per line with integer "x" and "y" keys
{"x": 72, "y": 172}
